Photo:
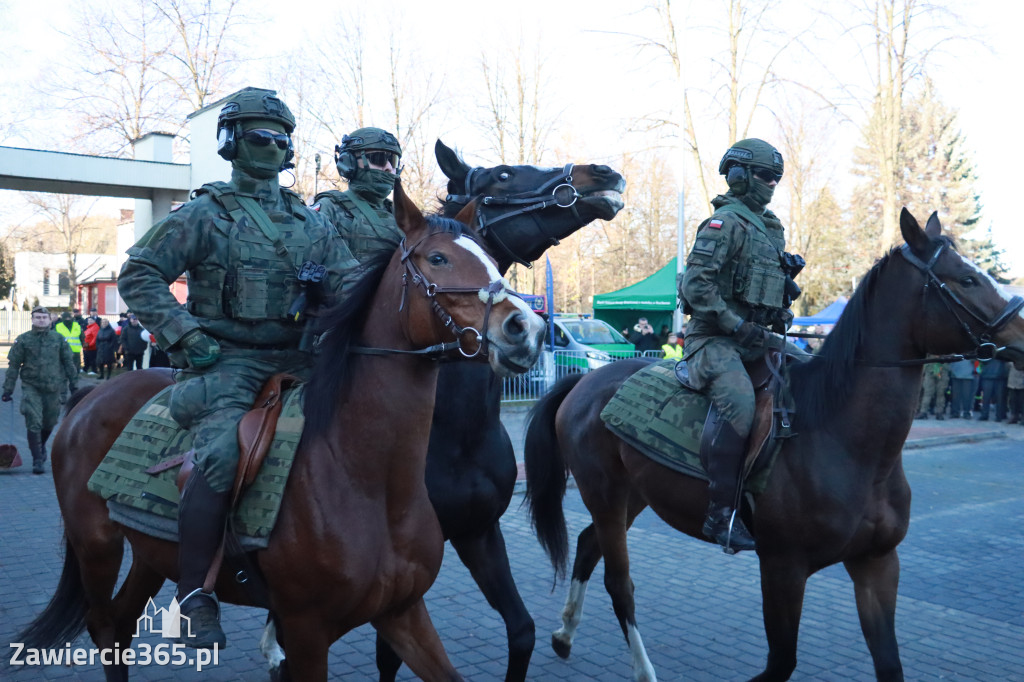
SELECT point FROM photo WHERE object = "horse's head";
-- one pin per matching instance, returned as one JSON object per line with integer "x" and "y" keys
{"x": 522, "y": 210}
{"x": 453, "y": 291}
{"x": 965, "y": 309}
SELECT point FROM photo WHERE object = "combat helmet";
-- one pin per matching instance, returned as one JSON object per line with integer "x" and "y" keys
{"x": 360, "y": 141}
{"x": 249, "y": 103}
{"x": 747, "y": 153}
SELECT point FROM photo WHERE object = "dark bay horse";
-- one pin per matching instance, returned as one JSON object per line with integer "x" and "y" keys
{"x": 471, "y": 467}
{"x": 837, "y": 492}
{"x": 356, "y": 540}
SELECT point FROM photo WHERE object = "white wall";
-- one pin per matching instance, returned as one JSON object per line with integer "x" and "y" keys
{"x": 29, "y": 267}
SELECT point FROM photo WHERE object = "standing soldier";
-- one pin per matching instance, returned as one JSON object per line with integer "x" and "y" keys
{"x": 43, "y": 359}
{"x": 933, "y": 389}
{"x": 258, "y": 260}
{"x": 363, "y": 215}
{"x": 737, "y": 287}
{"x": 69, "y": 328}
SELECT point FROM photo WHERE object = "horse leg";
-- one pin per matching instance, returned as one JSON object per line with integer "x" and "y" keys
{"x": 782, "y": 594}
{"x": 140, "y": 585}
{"x": 875, "y": 581}
{"x": 100, "y": 562}
{"x": 271, "y": 649}
{"x": 487, "y": 560}
{"x": 306, "y": 643}
{"x": 412, "y": 636}
{"x": 588, "y": 553}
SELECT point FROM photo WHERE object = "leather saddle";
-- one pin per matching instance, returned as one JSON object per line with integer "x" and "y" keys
{"x": 255, "y": 435}
{"x": 766, "y": 377}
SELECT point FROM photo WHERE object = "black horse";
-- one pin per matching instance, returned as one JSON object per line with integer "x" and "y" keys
{"x": 471, "y": 466}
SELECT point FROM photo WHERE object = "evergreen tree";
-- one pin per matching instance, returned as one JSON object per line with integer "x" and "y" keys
{"x": 6, "y": 271}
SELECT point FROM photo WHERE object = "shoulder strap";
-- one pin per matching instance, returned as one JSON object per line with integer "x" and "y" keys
{"x": 739, "y": 208}
{"x": 237, "y": 205}
{"x": 353, "y": 200}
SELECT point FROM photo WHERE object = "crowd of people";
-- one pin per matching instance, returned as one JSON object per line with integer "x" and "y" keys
{"x": 99, "y": 347}
{"x": 992, "y": 390}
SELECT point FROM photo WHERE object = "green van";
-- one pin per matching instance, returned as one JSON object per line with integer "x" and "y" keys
{"x": 595, "y": 343}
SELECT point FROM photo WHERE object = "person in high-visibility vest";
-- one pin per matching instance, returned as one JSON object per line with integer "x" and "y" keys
{"x": 69, "y": 328}
{"x": 672, "y": 348}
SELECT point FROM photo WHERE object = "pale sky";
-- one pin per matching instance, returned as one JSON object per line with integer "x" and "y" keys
{"x": 603, "y": 81}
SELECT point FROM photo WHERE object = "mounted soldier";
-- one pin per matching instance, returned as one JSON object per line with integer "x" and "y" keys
{"x": 363, "y": 215}
{"x": 258, "y": 263}
{"x": 737, "y": 289}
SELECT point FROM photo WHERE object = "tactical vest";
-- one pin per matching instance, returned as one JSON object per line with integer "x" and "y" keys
{"x": 371, "y": 231}
{"x": 259, "y": 280}
{"x": 73, "y": 335}
{"x": 755, "y": 276}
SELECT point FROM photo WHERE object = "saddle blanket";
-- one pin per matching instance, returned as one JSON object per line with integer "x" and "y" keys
{"x": 658, "y": 416}
{"x": 149, "y": 503}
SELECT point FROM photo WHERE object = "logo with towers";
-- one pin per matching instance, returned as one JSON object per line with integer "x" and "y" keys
{"x": 164, "y": 622}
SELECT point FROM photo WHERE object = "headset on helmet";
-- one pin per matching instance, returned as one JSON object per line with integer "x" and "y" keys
{"x": 247, "y": 104}
{"x": 735, "y": 164}
{"x": 362, "y": 140}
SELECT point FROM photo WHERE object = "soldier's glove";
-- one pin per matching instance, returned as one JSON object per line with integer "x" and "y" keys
{"x": 7, "y": 397}
{"x": 195, "y": 350}
{"x": 749, "y": 335}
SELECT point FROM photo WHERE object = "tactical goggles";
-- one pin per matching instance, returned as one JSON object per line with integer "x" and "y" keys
{"x": 261, "y": 137}
{"x": 382, "y": 158}
{"x": 765, "y": 175}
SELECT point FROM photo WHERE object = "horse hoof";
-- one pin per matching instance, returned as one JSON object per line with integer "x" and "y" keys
{"x": 561, "y": 647}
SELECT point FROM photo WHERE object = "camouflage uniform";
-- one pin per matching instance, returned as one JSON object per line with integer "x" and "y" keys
{"x": 368, "y": 229}
{"x": 240, "y": 293}
{"x": 44, "y": 361}
{"x": 933, "y": 390}
{"x": 363, "y": 215}
{"x": 735, "y": 289}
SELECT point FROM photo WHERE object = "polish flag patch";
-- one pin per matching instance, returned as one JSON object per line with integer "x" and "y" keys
{"x": 717, "y": 224}
{"x": 316, "y": 207}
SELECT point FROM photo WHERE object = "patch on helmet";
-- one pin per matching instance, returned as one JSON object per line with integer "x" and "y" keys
{"x": 716, "y": 224}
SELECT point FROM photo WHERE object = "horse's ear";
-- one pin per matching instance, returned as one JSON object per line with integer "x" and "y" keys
{"x": 407, "y": 214}
{"x": 452, "y": 166}
{"x": 912, "y": 232}
{"x": 465, "y": 216}
{"x": 933, "y": 228}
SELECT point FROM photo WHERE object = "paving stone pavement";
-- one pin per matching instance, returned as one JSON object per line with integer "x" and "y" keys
{"x": 960, "y": 614}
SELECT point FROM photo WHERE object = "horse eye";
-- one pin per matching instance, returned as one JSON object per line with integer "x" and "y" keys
{"x": 504, "y": 175}
{"x": 968, "y": 281}
{"x": 437, "y": 259}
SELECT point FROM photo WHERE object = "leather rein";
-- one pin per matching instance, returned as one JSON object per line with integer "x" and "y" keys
{"x": 985, "y": 349}
{"x": 413, "y": 274}
{"x": 558, "y": 191}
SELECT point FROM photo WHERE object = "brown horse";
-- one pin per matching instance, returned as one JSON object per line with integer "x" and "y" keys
{"x": 837, "y": 492}
{"x": 355, "y": 508}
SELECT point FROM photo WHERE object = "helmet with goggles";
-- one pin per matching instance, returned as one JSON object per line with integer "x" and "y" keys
{"x": 252, "y": 104}
{"x": 378, "y": 146}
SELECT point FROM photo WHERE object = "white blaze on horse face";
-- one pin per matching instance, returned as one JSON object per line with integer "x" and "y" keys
{"x": 492, "y": 274}
{"x": 1003, "y": 293}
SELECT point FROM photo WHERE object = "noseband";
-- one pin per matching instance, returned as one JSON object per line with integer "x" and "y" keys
{"x": 496, "y": 290}
{"x": 985, "y": 349}
{"x": 558, "y": 191}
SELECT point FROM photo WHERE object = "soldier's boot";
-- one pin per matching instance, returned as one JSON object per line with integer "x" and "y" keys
{"x": 35, "y": 446}
{"x": 201, "y": 518}
{"x": 722, "y": 453}
{"x": 44, "y": 436}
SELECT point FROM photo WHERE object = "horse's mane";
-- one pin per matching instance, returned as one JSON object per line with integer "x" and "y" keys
{"x": 822, "y": 385}
{"x": 340, "y": 326}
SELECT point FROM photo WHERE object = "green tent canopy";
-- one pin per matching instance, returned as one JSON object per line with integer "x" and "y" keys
{"x": 653, "y": 298}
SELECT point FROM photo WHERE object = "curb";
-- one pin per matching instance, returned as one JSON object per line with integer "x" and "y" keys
{"x": 932, "y": 441}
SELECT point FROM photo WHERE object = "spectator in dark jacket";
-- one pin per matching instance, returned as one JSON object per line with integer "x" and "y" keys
{"x": 643, "y": 337}
{"x": 106, "y": 344}
{"x": 132, "y": 344}
{"x": 993, "y": 388}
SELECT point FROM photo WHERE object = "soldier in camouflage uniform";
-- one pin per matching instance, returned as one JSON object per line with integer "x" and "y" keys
{"x": 363, "y": 215}
{"x": 43, "y": 359}
{"x": 933, "y": 389}
{"x": 735, "y": 291}
{"x": 256, "y": 259}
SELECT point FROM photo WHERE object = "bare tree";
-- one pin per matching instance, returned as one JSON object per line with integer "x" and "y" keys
{"x": 65, "y": 219}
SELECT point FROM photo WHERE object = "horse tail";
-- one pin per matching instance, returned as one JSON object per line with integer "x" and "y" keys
{"x": 76, "y": 398}
{"x": 547, "y": 474}
{"x": 63, "y": 619}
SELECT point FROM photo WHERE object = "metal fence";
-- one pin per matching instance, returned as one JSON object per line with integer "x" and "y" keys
{"x": 552, "y": 366}
{"x": 12, "y": 323}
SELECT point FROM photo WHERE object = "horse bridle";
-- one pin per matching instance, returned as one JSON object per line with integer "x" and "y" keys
{"x": 985, "y": 349}
{"x": 496, "y": 291}
{"x": 558, "y": 191}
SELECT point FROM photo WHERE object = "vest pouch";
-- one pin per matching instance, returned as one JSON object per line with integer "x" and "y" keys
{"x": 251, "y": 295}
{"x": 765, "y": 286}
